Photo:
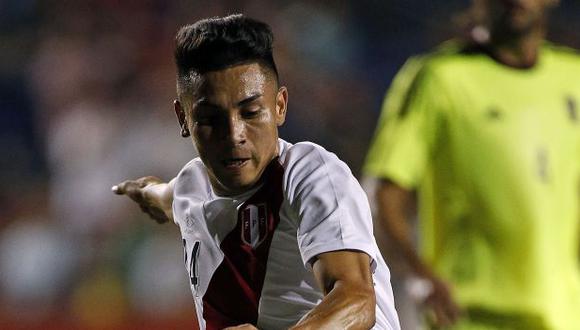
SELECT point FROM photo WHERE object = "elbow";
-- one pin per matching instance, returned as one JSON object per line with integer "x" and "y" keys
{"x": 369, "y": 311}
{"x": 347, "y": 306}
{"x": 365, "y": 317}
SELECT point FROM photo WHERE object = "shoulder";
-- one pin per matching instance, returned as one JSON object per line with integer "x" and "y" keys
{"x": 563, "y": 55}
{"x": 309, "y": 167}
{"x": 450, "y": 56}
{"x": 412, "y": 76}
{"x": 192, "y": 168}
{"x": 447, "y": 51}
{"x": 304, "y": 158}
{"x": 192, "y": 180}
{"x": 300, "y": 150}
{"x": 561, "y": 49}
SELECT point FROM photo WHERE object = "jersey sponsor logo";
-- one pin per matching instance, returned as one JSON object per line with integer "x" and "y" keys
{"x": 572, "y": 109}
{"x": 254, "y": 224}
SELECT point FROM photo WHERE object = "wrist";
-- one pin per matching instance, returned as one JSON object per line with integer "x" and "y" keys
{"x": 419, "y": 288}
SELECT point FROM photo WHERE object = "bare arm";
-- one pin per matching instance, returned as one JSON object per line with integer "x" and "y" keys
{"x": 394, "y": 209}
{"x": 154, "y": 196}
{"x": 349, "y": 301}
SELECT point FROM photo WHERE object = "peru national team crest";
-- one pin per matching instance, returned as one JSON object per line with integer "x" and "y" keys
{"x": 254, "y": 224}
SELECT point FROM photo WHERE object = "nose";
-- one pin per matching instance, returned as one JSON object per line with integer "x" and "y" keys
{"x": 235, "y": 131}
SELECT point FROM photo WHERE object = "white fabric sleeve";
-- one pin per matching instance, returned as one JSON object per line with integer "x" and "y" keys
{"x": 189, "y": 184}
{"x": 332, "y": 210}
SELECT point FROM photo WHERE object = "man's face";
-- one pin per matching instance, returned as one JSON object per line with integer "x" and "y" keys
{"x": 233, "y": 118}
{"x": 516, "y": 17}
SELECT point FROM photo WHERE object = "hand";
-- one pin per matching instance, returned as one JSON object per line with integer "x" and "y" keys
{"x": 435, "y": 294}
{"x": 154, "y": 197}
{"x": 242, "y": 327}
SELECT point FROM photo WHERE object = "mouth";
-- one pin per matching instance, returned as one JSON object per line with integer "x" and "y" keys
{"x": 235, "y": 163}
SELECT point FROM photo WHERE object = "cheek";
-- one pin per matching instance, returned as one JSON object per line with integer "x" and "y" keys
{"x": 265, "y": 139}
{"x": 262, "y": 132}
{"x": 201, "y": 137}
{"x": 202, "y": 132}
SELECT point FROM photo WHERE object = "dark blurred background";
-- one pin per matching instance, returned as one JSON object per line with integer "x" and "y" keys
{"x": 86, "y": 90}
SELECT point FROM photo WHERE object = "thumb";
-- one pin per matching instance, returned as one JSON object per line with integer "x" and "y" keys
{"x": 117, "y": 189}
{"x": 128, "y": 187}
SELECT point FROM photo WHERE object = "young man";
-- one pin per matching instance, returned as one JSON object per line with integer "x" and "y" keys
{"x": 488, "y": 133}
{"x": 276, "y": 235}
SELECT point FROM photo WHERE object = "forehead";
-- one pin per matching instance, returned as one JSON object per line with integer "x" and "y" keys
{"x": 232, "y": 82}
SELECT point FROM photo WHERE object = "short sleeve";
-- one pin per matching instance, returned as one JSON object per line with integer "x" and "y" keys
{"x": 410, "y": 128}
{"x": 332, "y": 211}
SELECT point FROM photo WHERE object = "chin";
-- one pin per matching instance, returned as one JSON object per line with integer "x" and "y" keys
{"x": 245, "y": 185}
{"x": 238, "y": 186}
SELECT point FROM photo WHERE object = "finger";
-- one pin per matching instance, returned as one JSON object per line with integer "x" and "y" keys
{"x": 121, "y": 188}
{"x": 441, "y": 317}
{"x": 159, "y": 217}
{"x": 452, "y": 310}
{"x": 144, "y": 208}
{"x": 155, "y": 214}
{"x": 447, "y": 311}
{"x": 132, "y": 189}
{"x": 160, "y": 220}
{"x": 147, "y": 180}
{"x": 441, "y": 307}
{"x": 115, "y": 189}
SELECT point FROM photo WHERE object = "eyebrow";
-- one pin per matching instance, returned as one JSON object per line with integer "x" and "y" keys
{"x": 249, "y": 99}
{"x": 205, "y": 102}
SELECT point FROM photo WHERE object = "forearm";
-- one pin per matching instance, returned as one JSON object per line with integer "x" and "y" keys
{"x": 394, "y": 213}
{"x": 168, "y": 199}
{"x": 344, "y": 307}
{"x": 160, "y": 198}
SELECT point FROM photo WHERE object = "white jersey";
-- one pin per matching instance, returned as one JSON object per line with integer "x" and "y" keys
{"x": 248, "y": 257}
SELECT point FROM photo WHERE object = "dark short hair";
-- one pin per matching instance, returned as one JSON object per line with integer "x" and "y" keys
{"x": 220, "y": 42}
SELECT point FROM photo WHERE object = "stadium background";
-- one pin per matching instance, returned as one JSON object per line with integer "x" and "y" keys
{"x": 85, "y": 101}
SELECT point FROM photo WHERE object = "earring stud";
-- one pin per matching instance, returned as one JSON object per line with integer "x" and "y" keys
{"x": 184, "y": 131}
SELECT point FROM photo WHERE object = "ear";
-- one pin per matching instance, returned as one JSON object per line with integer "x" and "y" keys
{"x": 281, "y": 105}
{"x": 180, "y": 113}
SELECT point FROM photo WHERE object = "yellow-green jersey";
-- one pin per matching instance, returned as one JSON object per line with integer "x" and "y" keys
{"x": 494, "y": 152}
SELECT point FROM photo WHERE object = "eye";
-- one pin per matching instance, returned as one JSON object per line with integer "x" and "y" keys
{"x": 251, "y": 112}
{"x": 206, "y": 119}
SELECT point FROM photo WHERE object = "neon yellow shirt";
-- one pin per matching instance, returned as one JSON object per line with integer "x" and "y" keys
{"x": 495, "y": 154}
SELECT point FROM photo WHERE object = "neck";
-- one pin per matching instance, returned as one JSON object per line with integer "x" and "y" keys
{"x": 518, "y": 51}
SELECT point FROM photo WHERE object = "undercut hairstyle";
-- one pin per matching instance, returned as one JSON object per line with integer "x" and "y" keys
{"x": 221, "y": 42}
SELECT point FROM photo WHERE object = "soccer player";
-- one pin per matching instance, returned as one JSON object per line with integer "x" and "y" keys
{"x": 276, "y": 235}
{"x": 488, "y": 134}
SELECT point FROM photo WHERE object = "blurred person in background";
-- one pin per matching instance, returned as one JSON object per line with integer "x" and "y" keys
{"x": 276, "y": 235}
{"x": 486, "y": 132}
